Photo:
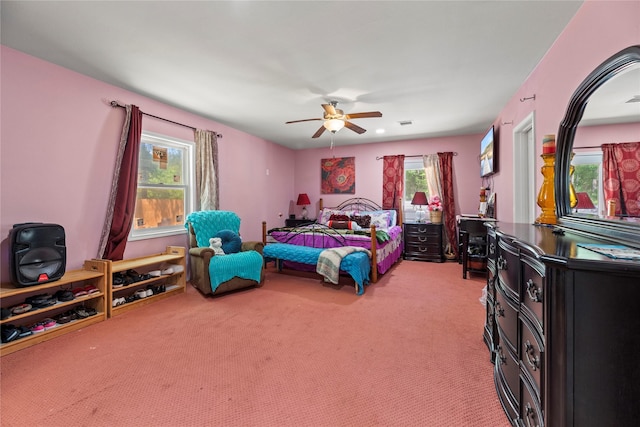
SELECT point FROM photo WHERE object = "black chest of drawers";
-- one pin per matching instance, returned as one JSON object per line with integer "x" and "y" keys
{"x": 423, "y": 241}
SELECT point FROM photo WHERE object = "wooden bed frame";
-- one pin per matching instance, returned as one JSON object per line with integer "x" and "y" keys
{"x": 359, "y": 204}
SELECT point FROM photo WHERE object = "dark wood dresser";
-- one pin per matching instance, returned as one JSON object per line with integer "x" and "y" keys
{"x": 423, "y": 241}
{"x": 563, "y": 325}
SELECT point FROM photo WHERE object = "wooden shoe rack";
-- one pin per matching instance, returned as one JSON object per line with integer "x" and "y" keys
{"x": 174, "y": 256}
{"x": 93, "y": 273}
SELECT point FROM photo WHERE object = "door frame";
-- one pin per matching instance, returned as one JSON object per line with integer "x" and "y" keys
{"x": 524, "y": 185}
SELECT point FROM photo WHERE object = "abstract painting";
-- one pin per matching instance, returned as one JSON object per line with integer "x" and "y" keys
{"x": 338, "y": 175}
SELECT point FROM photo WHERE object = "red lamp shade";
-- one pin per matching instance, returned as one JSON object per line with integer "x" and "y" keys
{"x": 584, "y": 201}
{"x": 420, "y": 198}
{"x": 303, "y": 199}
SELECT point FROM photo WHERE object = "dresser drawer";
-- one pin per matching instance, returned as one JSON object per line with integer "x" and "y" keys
{"x": 532, "y": 355}
{"x": 508, "y": 373}
{"x": 432, "y": 230}
{"x": 506, "y": 320}
{"x": 530, "y": 408}
{"x": 508, "y": 265}
{"x": 531, "y": 294}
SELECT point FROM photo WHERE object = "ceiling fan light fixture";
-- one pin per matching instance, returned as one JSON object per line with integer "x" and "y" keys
{"x": 333, "y": 125}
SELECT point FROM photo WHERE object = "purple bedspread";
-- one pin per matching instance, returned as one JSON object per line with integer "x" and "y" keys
{"x": 388, "y": 252}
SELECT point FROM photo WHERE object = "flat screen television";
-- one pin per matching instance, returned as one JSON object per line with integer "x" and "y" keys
{"x": 488, "y": 151}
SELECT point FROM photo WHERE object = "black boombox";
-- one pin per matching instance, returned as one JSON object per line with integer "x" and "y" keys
{"x": 38, "y": 253}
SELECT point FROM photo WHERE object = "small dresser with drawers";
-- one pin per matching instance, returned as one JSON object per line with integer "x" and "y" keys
{"x": 423, "y": 241}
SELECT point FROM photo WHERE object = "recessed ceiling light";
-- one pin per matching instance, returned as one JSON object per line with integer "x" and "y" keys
{"x": 379, "y": 131}
{"x": 405, "y": 122}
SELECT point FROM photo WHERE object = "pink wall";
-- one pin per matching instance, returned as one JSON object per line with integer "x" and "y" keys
{"x": 59, "y": 139}
{"x": 466, "y": 166}
{"x": 594, "y": 136}
{"x": 599, "y": 30}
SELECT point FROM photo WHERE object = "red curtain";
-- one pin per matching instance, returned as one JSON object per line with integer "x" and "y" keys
{"x": 125, "y": 197}
{"x": 621, "y": 170}
{"x": 392, "y": 181}
{"x": 448, "y": 201}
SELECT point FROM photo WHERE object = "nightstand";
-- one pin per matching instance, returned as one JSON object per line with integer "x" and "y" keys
{"x": 423, "y": 241}
{"x": 295, "y": 222}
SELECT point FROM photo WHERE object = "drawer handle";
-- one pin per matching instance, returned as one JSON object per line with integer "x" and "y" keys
{"x": 422, "y": 230}
{"x": 500, "y": 355}
{"x": 422, "y": 239}
{"x": 531, "y": 416}
{"x": 421, "y": 249}
{"x": 530, "y": 351}
{"x": 499, "y": 309}
{"x": 535, "y": 293}
{"x": 502, "y": 263}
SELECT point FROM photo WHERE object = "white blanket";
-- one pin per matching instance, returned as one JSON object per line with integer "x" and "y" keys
{"x": 330, "y": 259}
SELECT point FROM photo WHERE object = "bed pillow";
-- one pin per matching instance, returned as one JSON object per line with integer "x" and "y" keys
{"x": 363, "y": 221}
{"x": 325, "y": 215}
{"x": 380, "y": 219}
{"x": 336, "y": 217}
{"x": 343, "y": 225}
{"x": 391, "y": 215}
{"x": 231, "y": 242}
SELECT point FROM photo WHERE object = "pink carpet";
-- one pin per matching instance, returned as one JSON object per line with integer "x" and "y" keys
{"x": 409, "y": 352}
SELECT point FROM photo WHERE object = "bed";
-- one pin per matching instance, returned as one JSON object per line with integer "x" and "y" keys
{"x": 345, "y": 225}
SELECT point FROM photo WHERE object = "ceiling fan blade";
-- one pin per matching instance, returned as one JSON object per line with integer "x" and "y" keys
{"x": 318, "y": 132}
{"x": 298, "y": 121}
{"x": 353, "y": 127}
{"x": 363, "y": 115}
{"x": 329, "y": 109}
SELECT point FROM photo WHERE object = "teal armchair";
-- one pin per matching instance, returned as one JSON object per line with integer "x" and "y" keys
{"x": 214, "y": 274}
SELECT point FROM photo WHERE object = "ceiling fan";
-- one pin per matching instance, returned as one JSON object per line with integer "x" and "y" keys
{"x": 335, "y": 119}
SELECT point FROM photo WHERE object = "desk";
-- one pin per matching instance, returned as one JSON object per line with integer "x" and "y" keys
{"x": 472, "y": 243}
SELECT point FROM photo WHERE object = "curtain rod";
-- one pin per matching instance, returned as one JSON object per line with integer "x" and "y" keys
{"x": 115, "y": 104}
{"x": 416, "y": 155}
{"x": 584, "y": 148}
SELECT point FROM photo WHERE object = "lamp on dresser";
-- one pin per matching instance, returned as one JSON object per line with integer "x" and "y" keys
{"x": 303, "y": 200}
{"x": 420, "y": 200}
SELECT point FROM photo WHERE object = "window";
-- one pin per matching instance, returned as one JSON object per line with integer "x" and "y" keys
{"x": 414, "y": 180}
{"x": 587, "y": 178}
{"x": 166, "y": 190}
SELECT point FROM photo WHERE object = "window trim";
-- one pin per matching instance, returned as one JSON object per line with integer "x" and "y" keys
{"x": 188, "y": 175}
{"x": 409, "y": 211}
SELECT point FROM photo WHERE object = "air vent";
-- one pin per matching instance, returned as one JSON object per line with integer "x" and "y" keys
{"x": 405, "y": 122}
{"x": 636, "y": 98}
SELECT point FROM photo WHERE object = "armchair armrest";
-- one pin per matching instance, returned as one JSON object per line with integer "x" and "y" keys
{"x": 252, "y": 246}
{"x": 199, "y": 261}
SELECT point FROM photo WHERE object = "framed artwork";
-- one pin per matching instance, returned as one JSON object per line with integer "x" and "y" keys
{"x": 338, "y": 175}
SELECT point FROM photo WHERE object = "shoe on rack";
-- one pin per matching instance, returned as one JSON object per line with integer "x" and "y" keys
{"x": 9, "y": 333}
{"x": 141, "y": 293}
{"x": 49, "y": 323}
{"x": 36, "y": 328}
{"x": 21, "y": 308}
{"x": 64, "y": 295}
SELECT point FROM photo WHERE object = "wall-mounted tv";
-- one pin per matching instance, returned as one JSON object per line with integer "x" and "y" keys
{"x": 488, "y": 152}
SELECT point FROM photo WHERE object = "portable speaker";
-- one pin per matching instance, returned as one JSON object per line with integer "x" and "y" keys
{"x": 38, "y": 253}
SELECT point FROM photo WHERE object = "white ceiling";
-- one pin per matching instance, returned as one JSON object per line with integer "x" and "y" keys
{"x": 447, "y": 66}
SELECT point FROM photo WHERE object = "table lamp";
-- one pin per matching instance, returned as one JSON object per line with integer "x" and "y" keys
{"x": 303, "y": 200}
{"x": 420, "y": 200}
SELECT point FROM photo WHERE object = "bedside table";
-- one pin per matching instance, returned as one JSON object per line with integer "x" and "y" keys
{"x": 294, "y": 222}
{"x": 423, "y": 241}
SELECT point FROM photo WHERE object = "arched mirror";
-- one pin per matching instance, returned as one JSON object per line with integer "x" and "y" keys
{"x": 619, "y": 74}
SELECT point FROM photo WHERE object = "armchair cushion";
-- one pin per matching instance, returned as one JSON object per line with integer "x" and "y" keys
{"x": 231, "y": 242}
{"x": 246, "y": 265}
